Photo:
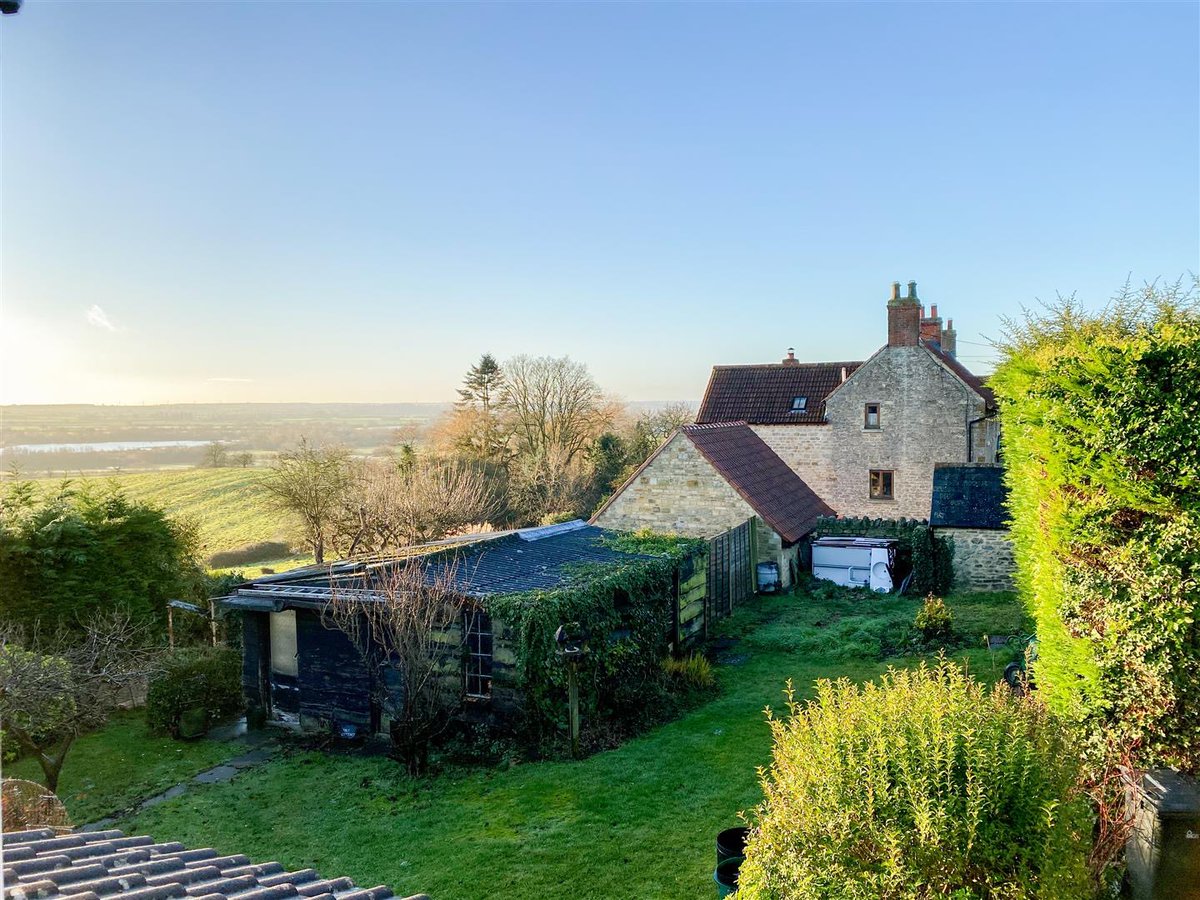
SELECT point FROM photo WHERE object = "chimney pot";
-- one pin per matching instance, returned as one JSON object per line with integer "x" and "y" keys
{"x": 912, "y": 290}
{"x": 895, "y": 290}
{"x": 790, "y": 359}
{"x": 933, "y": 311}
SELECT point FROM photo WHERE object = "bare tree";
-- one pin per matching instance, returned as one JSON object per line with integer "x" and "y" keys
{"x": 390, "y": 505}
{"x": 406, "y": 625}
{"x": 215, "y": 456}
{"x": 311, "y": 483}
{"x": 51, "y": 692}
{"x": 553, "y": 407}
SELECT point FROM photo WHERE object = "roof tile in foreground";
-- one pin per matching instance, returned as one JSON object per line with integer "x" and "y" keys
{"x": 762, "y": 479}
{"x": 41, "y": 865}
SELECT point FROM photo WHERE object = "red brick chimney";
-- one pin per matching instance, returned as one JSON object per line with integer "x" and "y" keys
{"x": 904, "y": 317}
{"x": 950, "y": 339}
{"x": 931, "y": 325}
{"x": 790, "y": 359}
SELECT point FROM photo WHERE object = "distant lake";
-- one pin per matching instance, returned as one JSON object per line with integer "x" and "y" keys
{"x": 93, "y": 446}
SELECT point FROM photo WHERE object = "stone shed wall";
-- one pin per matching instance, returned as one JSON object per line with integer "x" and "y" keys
{"x": 983, "y": 559}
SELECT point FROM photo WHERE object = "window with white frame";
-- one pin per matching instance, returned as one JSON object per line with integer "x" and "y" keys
{"x": 477, "y": 672}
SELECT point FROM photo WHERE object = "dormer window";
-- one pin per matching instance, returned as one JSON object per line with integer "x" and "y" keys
{"x": 799, "y": 404}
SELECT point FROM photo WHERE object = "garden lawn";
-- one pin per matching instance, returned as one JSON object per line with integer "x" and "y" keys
{"x": 639, "y": 821}
{"x": 111, "y": 769}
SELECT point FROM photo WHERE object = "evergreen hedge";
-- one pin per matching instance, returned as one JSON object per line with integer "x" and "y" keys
{"x": 201, "y": 684}
{"x": 1101, "y": 418}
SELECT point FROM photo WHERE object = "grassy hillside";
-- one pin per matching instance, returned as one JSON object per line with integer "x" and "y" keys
{"x": 227, "y": 504}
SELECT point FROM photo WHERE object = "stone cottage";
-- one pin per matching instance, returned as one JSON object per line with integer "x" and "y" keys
{"x": 709, "y": 479}
{"x": 865, "y": 436}
{"x": 969, "y": 508}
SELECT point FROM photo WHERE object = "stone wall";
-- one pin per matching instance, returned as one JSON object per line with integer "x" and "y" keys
{"x": 681, "y": 493}
{"x": 678, "y": 493}
{"x": 924, "y": 415}
{"x": 983, "y": 559}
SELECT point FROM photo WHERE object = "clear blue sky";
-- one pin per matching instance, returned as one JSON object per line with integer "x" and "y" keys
{"x": 351, "y": 201}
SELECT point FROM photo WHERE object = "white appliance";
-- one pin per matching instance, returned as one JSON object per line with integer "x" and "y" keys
{"x": 855, "y": 561}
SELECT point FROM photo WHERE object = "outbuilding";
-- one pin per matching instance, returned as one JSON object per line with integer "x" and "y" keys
{"x": 969, "y": 508}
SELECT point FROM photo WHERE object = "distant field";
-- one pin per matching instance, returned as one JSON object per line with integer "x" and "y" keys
{"x": 227, "y": 504}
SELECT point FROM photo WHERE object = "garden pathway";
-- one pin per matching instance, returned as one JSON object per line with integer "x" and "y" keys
{"x": 260, "y": 747}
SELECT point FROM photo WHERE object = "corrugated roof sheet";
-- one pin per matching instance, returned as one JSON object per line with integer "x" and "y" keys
{"x": 968, "y": 496}
{"x": 762, "y": 479}
{"x": 763, "y": 395}
{"x": 525, "y": 560}
{"x": 107, "y": 864}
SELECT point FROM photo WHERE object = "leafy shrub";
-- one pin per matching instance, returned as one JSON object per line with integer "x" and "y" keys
{"x": 1103, "y": 469}
{"x": 934, "y": 619}
{"x": 693, "y": 672}
{"x": 924, "y": 785}
{"x": 209, "y": 679}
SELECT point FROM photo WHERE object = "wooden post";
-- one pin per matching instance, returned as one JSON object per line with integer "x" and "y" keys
{"x": 212, "y": 619}
{"x": 170, "y": 626}
{"x": 573, "y": 700}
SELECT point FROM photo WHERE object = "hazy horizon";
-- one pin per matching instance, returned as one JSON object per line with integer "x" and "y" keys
{"x": 247, "y": 202}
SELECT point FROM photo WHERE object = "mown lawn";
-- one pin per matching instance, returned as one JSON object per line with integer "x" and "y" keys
{"x": 111, "y": 769}
{"x": 638, "y": 821}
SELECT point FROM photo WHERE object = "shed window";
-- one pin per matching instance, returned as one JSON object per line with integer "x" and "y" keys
{"x": 283, "y": 643}
{"x": 477, "y": 627}
{"x": 882, "y": 484}
{"x": 799, "y": 404}
{"x": 871, "y": 416}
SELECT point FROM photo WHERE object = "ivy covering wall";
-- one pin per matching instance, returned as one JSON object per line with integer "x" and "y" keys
{"x": 1101, "y": 419}
{"x": 625, "y": 609}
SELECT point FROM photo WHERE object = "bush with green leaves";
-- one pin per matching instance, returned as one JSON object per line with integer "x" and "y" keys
{"x": 934, "y": 619}
{"x": 1100, "y": 415}
{"x": 925, "y": 784}
{"x": 929, "y": 557}
{"x": 66, "y": 555}
{"x": 202, "y": 678}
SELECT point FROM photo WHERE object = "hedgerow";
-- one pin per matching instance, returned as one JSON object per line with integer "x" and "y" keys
{"x": 924, "y": 785}
{"x": 1100, "y": 414}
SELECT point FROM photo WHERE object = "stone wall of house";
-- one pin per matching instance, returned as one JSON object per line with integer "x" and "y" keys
{"x": 923, "y": 417}
{"x": 983, "y": 559}
{"x": 807, "y": 451}
{"x": 680, "y": 493}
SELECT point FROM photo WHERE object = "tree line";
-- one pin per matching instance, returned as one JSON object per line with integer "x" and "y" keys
{"x": 532, "y": 441}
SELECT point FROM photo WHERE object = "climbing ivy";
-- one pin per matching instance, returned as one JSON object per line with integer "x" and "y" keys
{"x": 625, "y": 610}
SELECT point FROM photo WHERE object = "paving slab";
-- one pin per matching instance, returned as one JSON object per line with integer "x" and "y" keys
{"x": 215, "y": 775}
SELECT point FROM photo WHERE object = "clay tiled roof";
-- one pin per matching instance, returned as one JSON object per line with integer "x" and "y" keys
{"x": 106, "y": 864}
{"x": 762, "y": 479}
{"x": 763, "y": 395}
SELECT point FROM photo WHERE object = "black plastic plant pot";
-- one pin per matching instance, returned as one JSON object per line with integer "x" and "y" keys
{"x": 726, "y": 876}
{"x": 731, "y": 842}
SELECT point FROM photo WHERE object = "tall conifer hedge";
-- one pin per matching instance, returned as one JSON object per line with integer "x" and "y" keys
{"x": 1101, "y": 441}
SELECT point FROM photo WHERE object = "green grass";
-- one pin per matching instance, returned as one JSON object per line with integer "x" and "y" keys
{"x": 111, "y": 769}
{"x": 227, "y": 504}
{"x": 638, "y": 821}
